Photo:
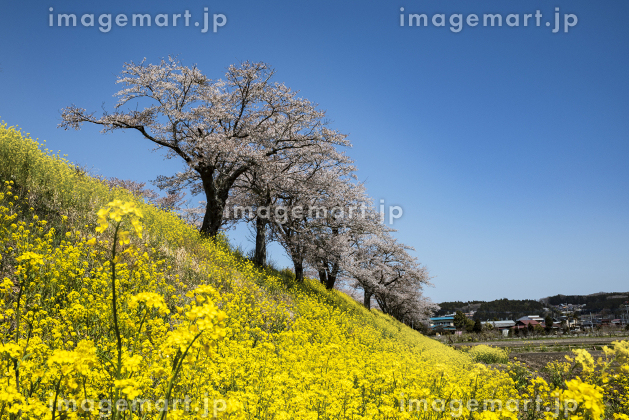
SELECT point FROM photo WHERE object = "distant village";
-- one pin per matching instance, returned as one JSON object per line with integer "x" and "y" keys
{"x": 566, "y": 317}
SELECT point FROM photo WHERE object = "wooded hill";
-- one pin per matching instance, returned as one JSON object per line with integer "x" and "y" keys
{"x": 513, "y": 308}
{"x": 596, "y": 302}
{"x": 495, "y": 309}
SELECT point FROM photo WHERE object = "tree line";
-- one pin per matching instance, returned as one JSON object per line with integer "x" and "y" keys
{"x": 495, "y": 309}
{"x": 258, "y": 153}
{"x": 596, "y": 302}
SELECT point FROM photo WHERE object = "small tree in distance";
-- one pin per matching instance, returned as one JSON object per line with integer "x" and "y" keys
{"x": 460, "y": 321}
{"x": 469, "y": 325}
{"x": 478, "y": 327}
{"x": 548, "y": 321}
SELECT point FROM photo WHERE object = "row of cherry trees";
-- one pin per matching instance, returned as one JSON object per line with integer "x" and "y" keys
{"x": 259, "y": 153}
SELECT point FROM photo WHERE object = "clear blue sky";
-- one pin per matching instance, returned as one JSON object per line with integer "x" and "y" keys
{"x": 507, "y": 147}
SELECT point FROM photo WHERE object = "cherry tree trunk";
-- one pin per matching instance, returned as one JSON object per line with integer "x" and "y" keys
{"x": 329, "y": 284}
{"x": 323, "y": 277}
{"x": 216, "y": 199}
{"x": 212, "y": 221}
{"x": 367, "y": 299}
{"x": 259, "y": 258}
{"x": 299, "y": 271}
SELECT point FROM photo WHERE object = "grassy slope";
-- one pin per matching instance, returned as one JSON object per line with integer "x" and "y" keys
{"x": 55, "y": 187}
{"x": 292, "y": 350}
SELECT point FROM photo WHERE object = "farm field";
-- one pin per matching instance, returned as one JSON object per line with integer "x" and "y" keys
{"x": 537, "y": 361}
{"x": 583, "y": 341}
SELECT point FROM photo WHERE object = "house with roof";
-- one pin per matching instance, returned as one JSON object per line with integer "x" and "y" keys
{"x": 569, "y": 322}
{"x": 532, "y": 318}
{"x": 443, "y": 322}
{"x": 502, "y": 326}
{"x": 522, "y": 324}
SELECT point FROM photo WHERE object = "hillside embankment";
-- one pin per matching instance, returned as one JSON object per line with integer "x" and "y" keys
{"x": 111, "y": 306}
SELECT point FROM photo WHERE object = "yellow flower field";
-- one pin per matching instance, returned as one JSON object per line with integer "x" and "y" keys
{"x": 112, "y": 308}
